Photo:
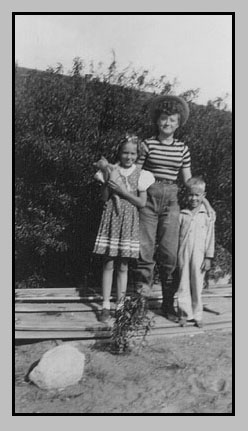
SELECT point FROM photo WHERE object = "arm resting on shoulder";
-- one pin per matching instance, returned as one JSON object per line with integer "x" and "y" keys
{"x": 210, "y": 240}
{"x": 186, "y": 173}
{"x": 210, "y": 210}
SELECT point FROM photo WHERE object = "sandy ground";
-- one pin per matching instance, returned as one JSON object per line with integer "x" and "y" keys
{"x": 183, "y": 374}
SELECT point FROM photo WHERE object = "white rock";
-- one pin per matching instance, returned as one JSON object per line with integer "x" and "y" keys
{"x": 59, "y": 367}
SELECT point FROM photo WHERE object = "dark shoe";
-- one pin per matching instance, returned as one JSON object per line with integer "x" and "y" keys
{"x": 199, "y": 323}
{"x": 169, "y": 314}
{"x": 182, "y": 322}
{"x": 105, "y": 315}
{"x": 171, "y": 317}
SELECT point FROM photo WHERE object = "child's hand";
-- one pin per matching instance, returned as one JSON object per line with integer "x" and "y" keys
{"x": 120, "y": 190}
{"x": 210, "y": 210}
{"x": 99, "y": 177}
{"x": 211, "y": 214}
{"x": 206, "y": 264}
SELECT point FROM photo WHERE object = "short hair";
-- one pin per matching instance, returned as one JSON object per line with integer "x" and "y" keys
{"x": 196, "y": 181}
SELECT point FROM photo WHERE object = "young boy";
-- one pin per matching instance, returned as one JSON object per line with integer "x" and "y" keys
{"x": 196, "y": 249}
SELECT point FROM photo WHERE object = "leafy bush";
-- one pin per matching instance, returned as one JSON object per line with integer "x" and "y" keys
{"x": 209, "y": 136}
{"x": 65, "y": 123}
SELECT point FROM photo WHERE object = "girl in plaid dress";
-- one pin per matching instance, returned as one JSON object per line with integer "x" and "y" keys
{"x": 118, "y": 235}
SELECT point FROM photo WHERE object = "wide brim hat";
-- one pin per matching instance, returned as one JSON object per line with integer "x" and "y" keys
{"x": 169, "y": 105}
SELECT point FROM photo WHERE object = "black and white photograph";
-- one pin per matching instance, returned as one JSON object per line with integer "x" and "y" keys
{"x": 123, "y": 147}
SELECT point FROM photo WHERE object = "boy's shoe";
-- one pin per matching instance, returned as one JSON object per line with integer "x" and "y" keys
{"x": 105, "y": 315}
{"x": 182, "y": 322}
{"x": 199, "y": 323}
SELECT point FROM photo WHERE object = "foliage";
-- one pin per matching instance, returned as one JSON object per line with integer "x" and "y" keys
{"x": 65, "y": 123}
{"x": 131, "y": 320}
{"x": 209, "y": 136}
{"x": 222, "y": 264}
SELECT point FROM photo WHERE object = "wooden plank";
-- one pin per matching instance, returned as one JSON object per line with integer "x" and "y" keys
{"x": 84, "y": 308}
{"x": 34, "y": 307}
{"x": 86, "y": 326}
{"x": 213, "y": 302}
{"x": 84, "y": 335}
{"x": 48, "y": 335}
{"x": 30, "y": 307}
{"x": 75, "y": 291}
{"x": 48, "y": 295}
{"x": 99, "y": 298}
{"x": 60, "y": 320}
{"x": 190, "y": 330}
{"x": 90, "y": 322}
{"x": 107, "y": 329}
{"x": 68, "y": 291}
{"x": 66, "y": 320}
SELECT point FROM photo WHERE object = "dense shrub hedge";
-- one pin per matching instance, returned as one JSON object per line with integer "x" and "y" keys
{"x": 62, "y": 125}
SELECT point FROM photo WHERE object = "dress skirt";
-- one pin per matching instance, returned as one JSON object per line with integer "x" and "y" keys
{"x": 118, "y": 234}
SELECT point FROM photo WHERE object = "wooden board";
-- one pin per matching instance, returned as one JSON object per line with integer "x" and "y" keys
{"x": 26, "y": 333}
{"x": 90, "y": 320}
{"x": 75, "y": 294}
{"x": 47, "y": 313}
{"x": 58, "y": 307}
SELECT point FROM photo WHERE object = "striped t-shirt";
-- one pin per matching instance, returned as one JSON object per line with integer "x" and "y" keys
{"x": 163, "y": 160}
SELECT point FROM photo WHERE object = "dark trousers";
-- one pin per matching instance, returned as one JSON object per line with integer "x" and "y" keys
{"x": 159, "y": 231}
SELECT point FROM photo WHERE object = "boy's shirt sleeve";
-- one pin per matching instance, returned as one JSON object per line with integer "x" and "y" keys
{"x": 210, "y": 239}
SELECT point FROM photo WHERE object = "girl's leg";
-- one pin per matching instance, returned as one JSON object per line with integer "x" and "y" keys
{"x": 107, "y": 279}
{"x": 122, "y": 277}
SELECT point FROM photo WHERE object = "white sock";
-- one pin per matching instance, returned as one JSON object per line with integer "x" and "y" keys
{"x": 106, "y": 304}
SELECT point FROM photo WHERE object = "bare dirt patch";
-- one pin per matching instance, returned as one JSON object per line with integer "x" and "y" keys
{"x": 184, "y": 374}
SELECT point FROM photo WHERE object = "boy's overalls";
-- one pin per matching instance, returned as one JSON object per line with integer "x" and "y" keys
{"x": 196, "y": 241}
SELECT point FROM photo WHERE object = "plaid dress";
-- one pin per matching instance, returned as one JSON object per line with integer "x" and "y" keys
{"x": 118, "y": 234}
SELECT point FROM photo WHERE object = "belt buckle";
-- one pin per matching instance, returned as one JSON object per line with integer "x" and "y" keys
{"x": 165, "y": 181}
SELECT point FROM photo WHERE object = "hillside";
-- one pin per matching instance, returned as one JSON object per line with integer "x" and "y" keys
{"x": 62, "y": 125}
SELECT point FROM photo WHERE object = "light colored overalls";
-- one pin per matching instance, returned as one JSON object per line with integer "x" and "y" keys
{"x": 196, "y": 241}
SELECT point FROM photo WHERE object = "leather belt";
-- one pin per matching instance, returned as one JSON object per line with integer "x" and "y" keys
{"x": 164, "y": 181}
